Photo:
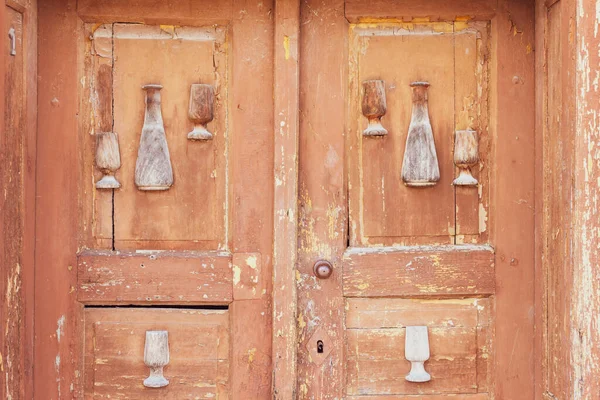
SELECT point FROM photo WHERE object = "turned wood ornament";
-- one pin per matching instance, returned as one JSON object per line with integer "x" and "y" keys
{"x": 466, "y": 155}
{"x": 416, "y": 350}
{"x": 420, "y": 166}
{"x": 374, "y": 107}
{"x": 153, "y": 169}
{"x": 108, "y": 159}
{"x": 156, "y": 356}
{"x": 201, "y": 112}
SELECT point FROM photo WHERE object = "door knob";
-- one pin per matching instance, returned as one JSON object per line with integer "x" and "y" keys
{"x": 323, "y": 269}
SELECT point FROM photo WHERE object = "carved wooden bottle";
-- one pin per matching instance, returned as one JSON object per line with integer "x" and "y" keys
{"x": 153, "y": 169}
{"x": 420, "y": 166}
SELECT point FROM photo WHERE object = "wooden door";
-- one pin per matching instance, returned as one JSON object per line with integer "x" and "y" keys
{"x": 409, "y": 248}
{"x": 141, "y": 227}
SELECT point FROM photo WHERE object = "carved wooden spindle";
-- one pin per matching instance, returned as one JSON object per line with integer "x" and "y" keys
{"x": 466, "y": 155}
{"x": 416, "y": 350}
{"x": 374, "y": 107}
{"x": 153, "y": 169}
{"x": 156, "y": 356}
{"x": 420, "y": 166}
{"x": 202, "y": 99}
{"x": 108, "y": 159}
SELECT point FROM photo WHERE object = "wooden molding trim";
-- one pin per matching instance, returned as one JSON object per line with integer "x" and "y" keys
{"x": 106, "y": 277}
{"x": 418, "y": 271}
{"x": 286, "y": 103}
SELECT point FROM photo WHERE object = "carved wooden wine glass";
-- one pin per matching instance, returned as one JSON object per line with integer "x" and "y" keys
{"x": 156, "y": 356}
{"x": 201, "y": 112}
{"x": 466, "y": 155}
{"x": 374, "y": 107}
{"x": 416, "y": 350}
{"x": 108, "y": 159}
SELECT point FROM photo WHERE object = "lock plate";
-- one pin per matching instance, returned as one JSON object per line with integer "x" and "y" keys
{"x": 319, "y": 336}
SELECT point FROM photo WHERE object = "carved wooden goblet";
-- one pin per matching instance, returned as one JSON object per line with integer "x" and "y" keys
{"x": 374, "y": 107}
{"x": 108, "y": 159}
{"x": 466, "y": 155}
{"x": 416, "y": 351}
{"x": 156, "y": 356}
{"x": 202, "y": 99}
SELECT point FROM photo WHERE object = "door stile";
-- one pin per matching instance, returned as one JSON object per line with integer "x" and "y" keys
{"x": 285, "y": 230}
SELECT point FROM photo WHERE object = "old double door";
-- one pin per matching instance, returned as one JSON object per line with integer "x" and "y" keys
{"x": 221, "y": 258}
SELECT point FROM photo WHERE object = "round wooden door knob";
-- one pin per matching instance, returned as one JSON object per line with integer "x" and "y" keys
{"x": 323, "y": 269}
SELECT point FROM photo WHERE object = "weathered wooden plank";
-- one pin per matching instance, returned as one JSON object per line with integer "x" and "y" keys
{"x": 419, "y": 271}
{"x": 114, "y": 352}
{"x": 186, "y": 12}
{"x": 286, "y": 98}
{"x": 376, "y": 362}
{"x": 158, "y": 277}
{"x": 480, "y": 396}
{"x": 360, "y": 10}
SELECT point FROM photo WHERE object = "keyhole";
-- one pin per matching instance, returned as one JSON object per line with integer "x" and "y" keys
{"x": 319, "y": 346}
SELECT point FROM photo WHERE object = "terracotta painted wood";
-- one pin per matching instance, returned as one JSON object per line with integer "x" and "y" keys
{"x": 512, "y": 206}
{"x": 198, "y": 342}
{"x": 148, "y": 219}
{"x": 13, "y": 206}
{"x": 58, "y": 318}
{"x": 322, "y": 197}
{"x": 429, "y": 397}
{"x": 376, "y": 352}
{"x": 447, "y": 270}
{"x": 383, "y": 210}
{"x": 286, "y": 127}
{"x": 154, "y": 278}
{"x": 251, "y": 230}
{"x": 361, "y": 11}
{"x": 584, "y": 317}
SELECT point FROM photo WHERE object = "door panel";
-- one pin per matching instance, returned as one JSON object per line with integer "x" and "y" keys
{"x": 433, "y": 256}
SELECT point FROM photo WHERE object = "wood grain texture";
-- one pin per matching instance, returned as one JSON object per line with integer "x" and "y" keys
{"x": 418, "y": 271}
{"x": 150, "y": 220}
{"x": 512, "y": 102}
{"x": 322, "y": 193}
{"x": 251, "y": 189}
{"x": 152, "y": 12}
{"x": 12, "y": 205}
{"x": 481, "y": 396}
{"x": 58, "y": 316}
{"x": 359, "y": 10}
{"x": 376, "y": 354}
{"x": 114, "y": 353}
{"x": 286, "y": 98}
{"x": 585, "y": 309}
{"x": 383, "y": 210}
{"x": 154, "y": 278}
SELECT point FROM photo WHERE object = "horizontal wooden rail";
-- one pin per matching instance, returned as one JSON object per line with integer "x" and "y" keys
{"x": 419, "y": 271}
{"x": 434, "y": 10}
{"x": 158, "y": 277}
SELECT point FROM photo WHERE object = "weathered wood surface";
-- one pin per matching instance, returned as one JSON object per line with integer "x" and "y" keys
{"x": 187, "y": 12}
{"x": 154, "y": 277}
{"x": 480, "y": 396}
{"x": 360, "y": 10}
{"x": 322, "y": 201}
{"x": 512, "y": 230}
{"x": 376, "y": 345}
{"x": 58, "y": 325}
{"x": 383, "y": 211}
{"x": 419, "y": 271}
{"x": 192, "y": 214}
{"x": 286, "y": 126}
{"x": 198, "y": 349}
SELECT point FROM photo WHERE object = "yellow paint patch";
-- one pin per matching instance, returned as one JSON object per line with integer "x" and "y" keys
{"x": 301, "y": 322}
{"x": 286, "y": 47}
{"x": 251, "y": 354}
{"x": 170, "y": 29}
{"x": 362, "y": 286}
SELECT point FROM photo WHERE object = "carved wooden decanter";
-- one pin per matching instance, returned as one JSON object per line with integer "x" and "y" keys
{"x": 108, "y": 159}
{"x": 420, "y": 166}
{"x": 201, "y": 112}
{"x": 153, "y": 169}
{"x": 374, "y": 107}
